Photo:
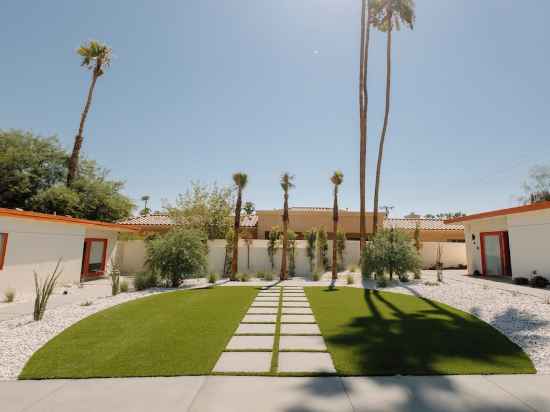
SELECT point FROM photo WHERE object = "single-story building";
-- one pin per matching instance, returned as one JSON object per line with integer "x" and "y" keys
{"x": 508, "y": 242}
{"x": 31, "y": 241}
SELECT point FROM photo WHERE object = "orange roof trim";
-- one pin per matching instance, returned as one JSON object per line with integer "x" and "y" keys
{"x": 23, "y": 214}
{"x": 502, "y": 212}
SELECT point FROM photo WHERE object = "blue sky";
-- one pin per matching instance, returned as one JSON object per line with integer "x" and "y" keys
{"x": 201, "y": 89}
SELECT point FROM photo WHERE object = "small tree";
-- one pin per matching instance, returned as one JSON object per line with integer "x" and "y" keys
{"x": 311, "y": 238}
{"x": 115, "y": 278}
{"x": 322, "y": 249}
{"x": 273, "y": 245}
{"x": 417, "y": 241}
{"x": 439, "y": 263}
{"x": 292, "y": 252}
{"x": 43, "y": 291}
{"x": 340, "y": 248}
{"x": 178, "y": 255}
{"x": 145, "y": 211}
{"x": 228, "y": 252}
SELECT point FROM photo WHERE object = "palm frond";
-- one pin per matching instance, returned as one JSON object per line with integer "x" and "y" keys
{"x": 240, "y": 179}
{"x": 287, "y": 181}
{"x": 337, "y": 178}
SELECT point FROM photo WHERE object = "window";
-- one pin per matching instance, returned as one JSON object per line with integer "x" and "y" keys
{"x": 95, "y": 253}
{"x": 3, "y": 248}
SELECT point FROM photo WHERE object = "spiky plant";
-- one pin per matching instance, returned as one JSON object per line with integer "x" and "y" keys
{"x": 43, "y": 290}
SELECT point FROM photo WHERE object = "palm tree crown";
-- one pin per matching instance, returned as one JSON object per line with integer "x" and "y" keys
{"x": 95, "y": 55}
{"x": 287, "y": 182}
{"x": 337, "y": 178}
{"x": 390, "y": 14}
{"x": 240, "y": 179}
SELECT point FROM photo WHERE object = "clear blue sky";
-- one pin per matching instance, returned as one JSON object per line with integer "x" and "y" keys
{"x": 200, "y": 89}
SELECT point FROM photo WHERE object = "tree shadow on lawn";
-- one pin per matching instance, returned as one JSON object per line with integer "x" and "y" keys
{"x": 402, "y": 335}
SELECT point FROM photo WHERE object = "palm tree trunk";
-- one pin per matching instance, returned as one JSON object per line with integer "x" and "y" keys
{"x": 384, "y": 129}
{"x": 363, "y": 106}
{"x": 283, "y": 274}
{"x": 75, "y": 155}
{"x": 334, "y": 232}
{"x": 237, "y": 225}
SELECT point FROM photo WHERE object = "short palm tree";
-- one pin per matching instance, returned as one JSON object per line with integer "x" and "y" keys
{"x": 286, "y": 184}
{"x": 240, "y": 180}
{"x": 336, "y": 179}
{"x": 387, "y": 15}
{"x": 145, "y": 200}
{"x": 96, "y": 57}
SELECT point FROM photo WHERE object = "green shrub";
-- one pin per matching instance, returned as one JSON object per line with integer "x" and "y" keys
{"x": 9, "y": 295}
{"x": 381, "y": 281}
{"x": 404, "y": 278}
{"x": 145, "y": 280}
{"x": 243, "y": 277}
{"x": 521, "y": 281}
{"x": 269, "y": 276}
{"x": 124, "y": 287}
{"x": 316, "y": 277}
{"x": 178, "y": 255}
{"x": 260, "y": 275}
{"x": 390, "y": 252}
{"x": 213, "y": 278}
{"x": 539, "y": 282}
{"x": 353, "y": 268}
{"x": 115, "y": 278}
{"x": 43, "y": 291}
{"x": 350, "y": 280}
{"x": 322, "y": 249}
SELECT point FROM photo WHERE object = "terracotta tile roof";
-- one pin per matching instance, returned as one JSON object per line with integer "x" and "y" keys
{"x": 425, "y": 224}
{"x": 162, "y": 219}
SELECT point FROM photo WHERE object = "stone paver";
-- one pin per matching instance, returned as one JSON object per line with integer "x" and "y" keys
{"x": 251, "y": 342}
{"x": 259, "y": 319}
{"x": 243, "y": 362}
{"x": 265, "y": 304}
{"x": 294, "y": 299}
{"x": 262, "y": 311}
{"x": 268, "y": 295}
{"x": 296, "y": 304}
{"x": 298, "y": 319}
{"x": 302, "y": 342}
{"x": 256, "y": 328}
{"x": 303, "y": 311}
{"x": 268, "y": 299}
{"x": 305, "y": 362}
{"x": 294, "y": 294}
{"x": 300, "y": 329}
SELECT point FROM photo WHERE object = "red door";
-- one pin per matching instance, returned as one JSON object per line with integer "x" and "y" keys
{"x": 495, "y": 253}
{"x": 94, "y": 258}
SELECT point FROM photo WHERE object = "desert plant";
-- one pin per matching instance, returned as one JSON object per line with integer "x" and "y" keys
{"x": 115, "y": 278}
{"x": 43, "y": 291}
{"x": 292, "y": 252}
{"x": 404, "y": 277}
{"x": 227, "y": 263}
{"x": 439, "y": 263}
{"x": 287, "y": 183}
{"x": 242, "y": 277}
{"x": 353, "y": 267}
{"x": 350, "y": 280}
{"x": 240, "y": 180}
{"x": 417, "y": 241}
{"x": 145, "y": 280}
{"x": 521, "y": 281}
{"x": 273, "y": 244}
{"x": 213, "y": 278}
{"x": 124, "y": 286}
{"x": 311, "y": 238}
{"x": 341, "y": 248}
{"x": 87, "y": 303}
{"x": 9, "y": 295}
{"x": 179, "y": 254}
{"x": 539, "y": 282}
{"x": 269, "y": 276}
{"x": 322, "y": 249}
{"x": 316, "y": 276}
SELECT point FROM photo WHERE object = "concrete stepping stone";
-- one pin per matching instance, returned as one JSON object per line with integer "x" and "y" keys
{"x": 300, "y": 329}
{"x": 294, "y": 299}
{"x": 299, "y": 311}
{"x": 256, "y": 329}
{"x": 244, "y": 362}
{"x": 265, "y": 304}
{"x": 302, "y": 343}
{"x": 262, "y": 311}
{"x": 297, "y": 319}
{"x": 251, "y": 342}
{"x": 267, "y": 299}
{"x": 267, "y": 295}
{"x": 305, "y": 362}
{"x": 290, "y": 304}
{"x": 259, "y": 319}
{"x": 293, "y": 293}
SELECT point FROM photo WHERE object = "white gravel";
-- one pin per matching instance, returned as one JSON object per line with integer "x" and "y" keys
{"x": 21, "y": 337}
{"x": 522, "y": 318}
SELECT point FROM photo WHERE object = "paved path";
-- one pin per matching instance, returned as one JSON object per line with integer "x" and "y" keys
{"x": 276, "y": 394}
{"x": 278, "y": 334}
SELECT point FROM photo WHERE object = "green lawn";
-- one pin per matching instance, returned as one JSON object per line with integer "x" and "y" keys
{"x": 382, "y": 333}
{"x": 177, "y": 333}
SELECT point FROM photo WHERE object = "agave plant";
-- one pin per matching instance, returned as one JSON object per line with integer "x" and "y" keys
{"x": 43, "y": 291}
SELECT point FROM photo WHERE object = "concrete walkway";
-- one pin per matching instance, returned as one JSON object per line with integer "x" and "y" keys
{"x": 502, "y": 393}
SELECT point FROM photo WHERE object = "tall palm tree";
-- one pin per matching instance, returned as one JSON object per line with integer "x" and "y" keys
{"x": 336, "y": 179}
{"x": 363, "y": 106}
{"x": 240, "y": 179}
{"x": 96, "y": 57}
{"x": 287, "y": 183}
{"x": 387, "y": 15}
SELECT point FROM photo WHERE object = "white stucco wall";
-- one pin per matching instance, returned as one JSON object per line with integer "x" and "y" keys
{"x": 37, "y": 245}
{"x": 473, "y": 246}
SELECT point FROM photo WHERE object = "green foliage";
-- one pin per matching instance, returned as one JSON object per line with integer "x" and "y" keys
{"x": 9, "y": 295}
{"x": 273, "y": 244}
{"x": 249, "y": 208}
{"x": 350, "y": 280}
{"x": 32, "y": 176}
{"x": 242, "y": 277}
{"x": 322, "y": 249}
{"x": 178, "y": 255}
{"x": 390, "y": 252}
{"x": 43, "y": 291}
{"x": 353, "y": 268}
{"x": 417, "y": 241}
{"x": 292, "y": 252}
{"x": 340, "y": 248}
{"x": 115, "y": 278}
{"x": 311, "y": 238}
{"x": 95, "y": 54}
{"x": 229, "y": 236}
{"x": 269, "y": 276}
{"x": 205, "y": 208}
{"x": 316, "y": 276}
{"x": 213, "y": 278}
{"x": 145, "y": 280}
{"x": 124, "y": 286}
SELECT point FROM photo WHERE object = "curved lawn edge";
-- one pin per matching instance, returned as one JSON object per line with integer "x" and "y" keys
{"x": 385, "y": 333}
{"x": 168, "y": 334}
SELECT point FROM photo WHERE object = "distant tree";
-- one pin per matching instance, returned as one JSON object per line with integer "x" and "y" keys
{"x": 240, "y": 180}
{"x": 205, "y": 208}
{"x": 96, "y": 57}
{"x": 287, "y": 183}
{"x": 249, "y": 208}
{"x": 336, "y": 179}
{"x": 273, "y": 244}
{"x": 445, "y": 215}
{"x": 537, "y": 185}
{"x": 322, "y": 249}
{"x": 292, "y": 252}
{"x": 145, "y": 211}
{"x": 311, "y": 237}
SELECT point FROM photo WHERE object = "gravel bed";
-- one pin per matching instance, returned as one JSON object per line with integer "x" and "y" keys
{"x": 21, "y": 337}
{"x": 522, "y": 318}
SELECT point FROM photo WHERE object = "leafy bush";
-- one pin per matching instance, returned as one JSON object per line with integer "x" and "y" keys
{"x": 322, "y": 249}
{"x": 521, "y": 281}
{"x": 353, "y": 268}
{"x": 404, "y": 278}
{"x": 381, "y": 281}
{"x": 124, "y": 287}
{"x": 273, "y": 244}
{"x": 316, "y": 277}
{"x": 539, "y": 282}
{"x": 350, "y": 280}
{"x": 390, "y": 252}
{"x": 260, "y": 275}
{"x": 340, "y": 248}
{"x": 269, "y": 276}
{"x": 145, "y": 280}
{"x": 178, "y": 255}
{"x": 43, "y": 291}
{"x": 9, "y": 295}
{"x": 213, "y": 278}
{"x": 311, "y": 237}
{"x": 243, "y": 277}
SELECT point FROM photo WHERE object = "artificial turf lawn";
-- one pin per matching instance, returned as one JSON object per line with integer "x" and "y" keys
{"x": 383, "y": 333}
{"x": 176, "y": 333}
